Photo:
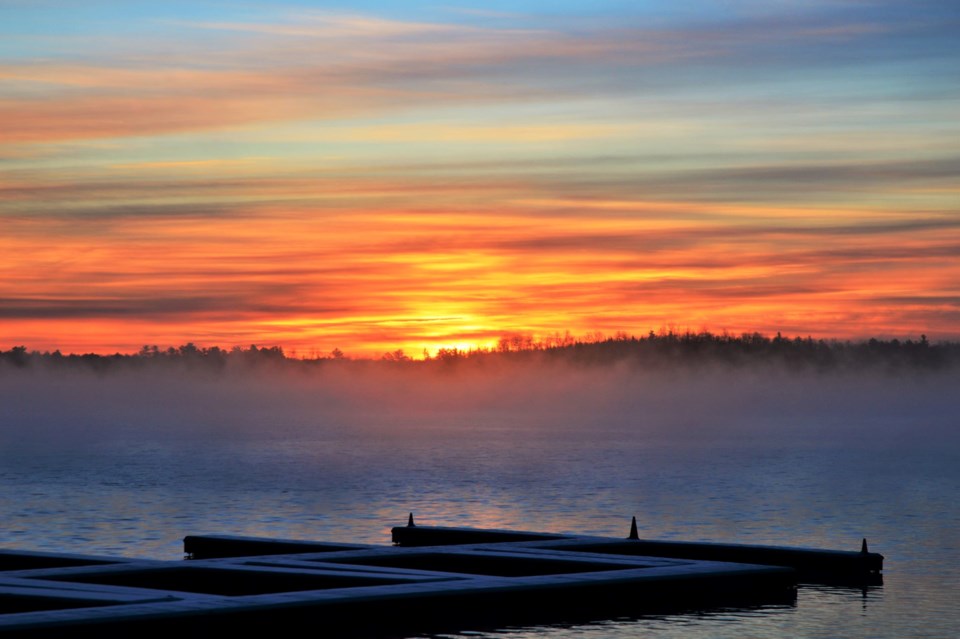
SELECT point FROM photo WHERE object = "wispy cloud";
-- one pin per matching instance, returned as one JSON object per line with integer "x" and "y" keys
{"x": 331, "y": 65}
{"x": 336, "y": 179}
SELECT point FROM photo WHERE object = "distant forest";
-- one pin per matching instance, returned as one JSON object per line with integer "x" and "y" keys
{"x": 661, "y": 349}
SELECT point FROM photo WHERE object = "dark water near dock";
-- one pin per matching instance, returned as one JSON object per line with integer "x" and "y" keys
{"x": 821, "y": 473}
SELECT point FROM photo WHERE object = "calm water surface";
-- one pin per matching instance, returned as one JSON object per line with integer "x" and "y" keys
{"x": 137, "y": 491}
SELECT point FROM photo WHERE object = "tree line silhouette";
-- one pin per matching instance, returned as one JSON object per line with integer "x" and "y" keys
{"x": 656, "y": 349}
{"x": 669, "y": 348}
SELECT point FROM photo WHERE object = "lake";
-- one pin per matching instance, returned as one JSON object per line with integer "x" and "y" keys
{"x": 129, "y": 464}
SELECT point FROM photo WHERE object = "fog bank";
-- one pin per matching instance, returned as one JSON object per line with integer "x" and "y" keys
{"x": 709, "y": 406}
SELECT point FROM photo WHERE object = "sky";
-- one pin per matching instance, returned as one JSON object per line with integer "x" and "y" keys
{"x": 379, "y": 175}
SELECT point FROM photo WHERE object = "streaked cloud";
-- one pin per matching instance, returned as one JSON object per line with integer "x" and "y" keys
{"x": 327, "y": 179}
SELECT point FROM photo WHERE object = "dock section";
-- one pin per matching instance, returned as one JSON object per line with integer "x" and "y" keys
{"x": 809, "y": 563}
{"x": 462, "y": 579}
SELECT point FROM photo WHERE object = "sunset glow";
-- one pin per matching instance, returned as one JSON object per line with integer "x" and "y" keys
{"x": 373, "y": 179}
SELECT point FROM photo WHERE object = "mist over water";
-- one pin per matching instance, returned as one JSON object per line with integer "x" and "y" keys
{"x": 714, "y": 405}
{"x": 130, "y": 461}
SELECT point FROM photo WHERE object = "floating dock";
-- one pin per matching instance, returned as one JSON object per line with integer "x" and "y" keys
{"x": 432, "y": 579}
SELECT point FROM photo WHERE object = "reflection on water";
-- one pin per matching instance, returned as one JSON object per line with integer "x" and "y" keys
{"x": 819, "y": 611}
{"x": 681, "y": 621}
{"x": 134, "y": 478}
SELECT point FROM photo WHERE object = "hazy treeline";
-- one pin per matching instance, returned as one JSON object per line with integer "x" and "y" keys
{"x": 665, "y": 348}
{"x": 704, "y": 348}
{"x": 189, "y": 354}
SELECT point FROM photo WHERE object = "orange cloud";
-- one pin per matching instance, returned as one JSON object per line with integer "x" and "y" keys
{"x": 368, "y": 280}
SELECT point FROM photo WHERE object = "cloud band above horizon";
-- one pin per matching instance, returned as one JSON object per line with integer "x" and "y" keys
{"x": 375, "y": 180}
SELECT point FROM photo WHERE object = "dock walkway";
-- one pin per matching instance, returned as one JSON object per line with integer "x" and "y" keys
{"x": 433, "y": 578}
